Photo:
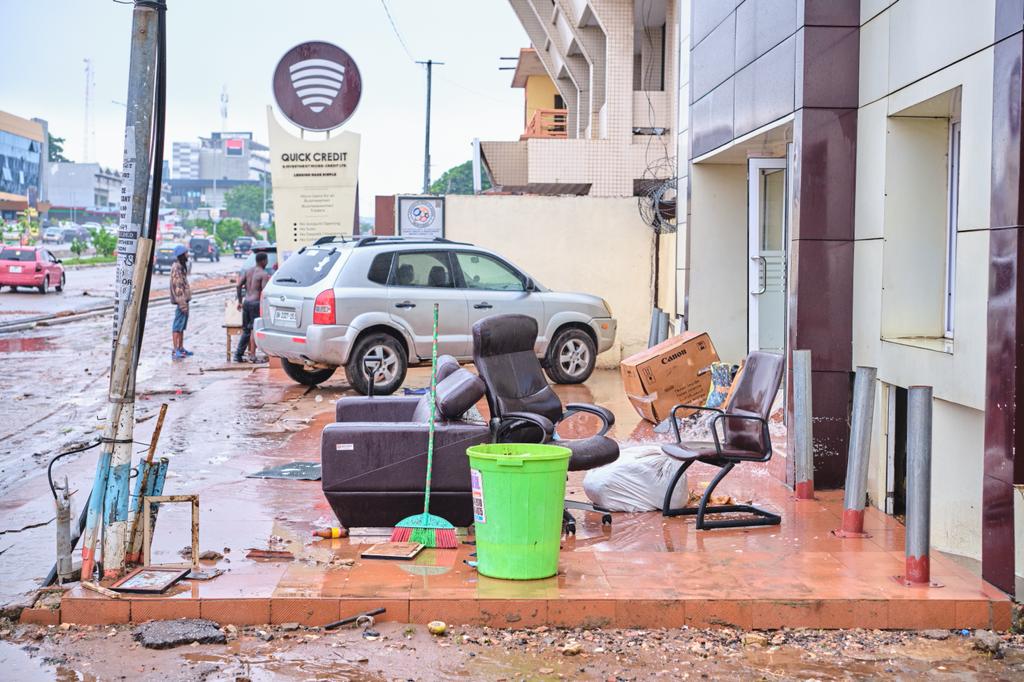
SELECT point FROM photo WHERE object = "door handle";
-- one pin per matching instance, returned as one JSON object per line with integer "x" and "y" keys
{"x": 762, "y": 271}
{"x": 483, "y": 306}
{"x": 405, "y": 304}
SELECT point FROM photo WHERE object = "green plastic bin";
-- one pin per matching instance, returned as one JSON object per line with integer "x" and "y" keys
{"x": 518, "y": 494}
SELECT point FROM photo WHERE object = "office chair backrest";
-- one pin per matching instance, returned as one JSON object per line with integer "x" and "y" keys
{"x": 754, "y": 395}
{"x": 504, "y": 356}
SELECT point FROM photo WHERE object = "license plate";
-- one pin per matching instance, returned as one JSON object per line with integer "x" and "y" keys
{"x": 285, "y": 317}
{"x": 15, "y": 268}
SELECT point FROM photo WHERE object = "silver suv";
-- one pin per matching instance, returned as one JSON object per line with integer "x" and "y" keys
{"x": 368, "y": 303}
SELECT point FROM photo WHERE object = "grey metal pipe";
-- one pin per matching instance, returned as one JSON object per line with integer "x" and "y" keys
{"x": 652, "y": 335}
{"x": 662, "y": 325}
{"x": 919, "y": 482}
{"x": 63, "y": 502}
{"x": 803, "y": 424}
{"x": 855, "y": 495}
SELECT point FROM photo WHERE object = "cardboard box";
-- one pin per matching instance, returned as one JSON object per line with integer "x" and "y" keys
{"x": 677, "y": 370}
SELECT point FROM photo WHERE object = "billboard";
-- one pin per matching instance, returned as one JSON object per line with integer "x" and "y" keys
{"x": 420, "y": 216}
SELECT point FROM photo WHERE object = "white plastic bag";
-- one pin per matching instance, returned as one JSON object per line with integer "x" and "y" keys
{"x": 636, "y": 481}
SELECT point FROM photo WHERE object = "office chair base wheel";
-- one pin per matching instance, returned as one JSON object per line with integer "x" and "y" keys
{"x": 606, "y": 520}
{"x": 570, "y": 528}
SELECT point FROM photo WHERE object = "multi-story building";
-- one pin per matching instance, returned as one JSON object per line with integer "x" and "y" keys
{"x": 203, "y": 171}
{"x": 854, "y": 189}
{"x": 83, "y": 186}
{"x": 600, "y": 98}
{"x": 24, "y": 152}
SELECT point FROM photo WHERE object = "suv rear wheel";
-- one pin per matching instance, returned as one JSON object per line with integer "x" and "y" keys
{"x": 384, "y": 349}
{"x": 571, "y": 356}
{"x": 307, "y": 377}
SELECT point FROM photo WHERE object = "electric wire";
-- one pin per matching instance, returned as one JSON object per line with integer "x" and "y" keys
{"x": 394, "y": 28}
{"x": 49, "y": 467}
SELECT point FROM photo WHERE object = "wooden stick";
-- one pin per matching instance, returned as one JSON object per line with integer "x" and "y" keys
{"x": 101, "y": 590}
{"x": 133, "y": 535}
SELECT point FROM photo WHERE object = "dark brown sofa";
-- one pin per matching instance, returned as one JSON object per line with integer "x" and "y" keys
{"x": 375, "y": 456}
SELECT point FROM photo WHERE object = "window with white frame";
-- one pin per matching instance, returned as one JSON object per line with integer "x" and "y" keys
{"x": 951, "y": 223}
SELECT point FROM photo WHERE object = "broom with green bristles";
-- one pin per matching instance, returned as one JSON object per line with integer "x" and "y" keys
{"x": 425, "y": 528}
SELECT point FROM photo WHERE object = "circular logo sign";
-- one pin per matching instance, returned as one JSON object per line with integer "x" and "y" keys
{"x": 317, "y": 85}
{"x": 421, "y": 214}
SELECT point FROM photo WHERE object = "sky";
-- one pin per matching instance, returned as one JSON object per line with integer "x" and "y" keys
{"x": 237, "y": 43}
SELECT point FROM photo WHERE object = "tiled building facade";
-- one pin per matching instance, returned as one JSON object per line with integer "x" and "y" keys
{"x": 854, "y": 189}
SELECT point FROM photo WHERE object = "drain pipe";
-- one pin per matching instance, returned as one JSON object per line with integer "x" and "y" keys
{"x": 919, "y": 483}
{"x": 855, "y": 495}
{"x": 803, "y": 424}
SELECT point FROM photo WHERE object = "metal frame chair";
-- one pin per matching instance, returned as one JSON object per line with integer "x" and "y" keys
{"x": 751, "y": 402}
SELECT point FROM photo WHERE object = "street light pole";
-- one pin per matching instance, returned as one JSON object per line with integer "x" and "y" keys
{"x": 426, "y": 150}
{"x": 108, "y": 508}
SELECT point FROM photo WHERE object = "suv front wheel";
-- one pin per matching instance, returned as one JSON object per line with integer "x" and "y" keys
{"x": 571, "y": 356}
{"x": 388, "y": 354}
{"x": 307, "y": 377}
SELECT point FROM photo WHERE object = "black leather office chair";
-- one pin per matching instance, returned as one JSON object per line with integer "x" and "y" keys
{"x": 523, "y": 407}
{"x": 745, "y": 439}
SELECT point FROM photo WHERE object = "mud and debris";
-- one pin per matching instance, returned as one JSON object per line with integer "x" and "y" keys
{"x": 410, "y": 652}
{"x": 167, "y": 634}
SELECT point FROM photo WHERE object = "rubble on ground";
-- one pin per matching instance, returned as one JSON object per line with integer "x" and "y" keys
{"x": 165, "y": 634}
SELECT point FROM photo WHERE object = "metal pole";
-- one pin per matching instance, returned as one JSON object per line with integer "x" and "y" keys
{"x": 803, "y": 426}
{"x": 430, "y": 63}
{"x": 652, "y": 334}
{"x": 426, "y": 149}
{"x": 854, "y": 497}
{"x": 919, "y": 482}
{"x": 662, "y": 326}
{"x": 63, "y": 501}
{"x": 109, "y": 503}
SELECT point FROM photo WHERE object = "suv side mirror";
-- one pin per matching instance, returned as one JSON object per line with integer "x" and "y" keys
{"x": 529, "y": 285}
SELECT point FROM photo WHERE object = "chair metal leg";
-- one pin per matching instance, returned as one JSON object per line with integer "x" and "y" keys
{"x": 666, "y": 508}
{"x": 762, "y": 517}
{"x": 606, "y": 514}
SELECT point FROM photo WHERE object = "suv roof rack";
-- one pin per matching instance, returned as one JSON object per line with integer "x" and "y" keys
{"x": 392, "y": 239}
{"x": 333, "y": 238}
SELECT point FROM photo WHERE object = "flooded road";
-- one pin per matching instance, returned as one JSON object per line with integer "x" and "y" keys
{"x": 88, "y": 288}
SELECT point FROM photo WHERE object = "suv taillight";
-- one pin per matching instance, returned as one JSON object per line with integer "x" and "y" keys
{"x": 323, "y": 308}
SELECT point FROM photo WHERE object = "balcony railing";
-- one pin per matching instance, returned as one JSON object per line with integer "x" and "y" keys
{"x": 547, "y": 123}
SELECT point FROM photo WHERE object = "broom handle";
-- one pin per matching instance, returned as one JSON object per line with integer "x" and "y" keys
{"x": 433, "y": 409}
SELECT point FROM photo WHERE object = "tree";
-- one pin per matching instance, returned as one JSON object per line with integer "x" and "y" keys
{"x": 246, "y": 202}
{"x": 228, "y": 230}
{"x": 56, "y": 145}
{"x": 105, "y": 242}
{"x": 458, "y": 180}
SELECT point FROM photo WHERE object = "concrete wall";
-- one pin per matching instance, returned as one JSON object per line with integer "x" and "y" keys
{"x": 922, "y": 61}
{"x": 589, "y": 244}
{"x": 718, "y": 267}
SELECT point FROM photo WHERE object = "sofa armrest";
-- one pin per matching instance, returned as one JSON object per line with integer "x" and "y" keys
{"x": 387, "y": 408}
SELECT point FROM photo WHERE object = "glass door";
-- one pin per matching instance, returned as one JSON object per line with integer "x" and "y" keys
{"x": 767, "y": 217}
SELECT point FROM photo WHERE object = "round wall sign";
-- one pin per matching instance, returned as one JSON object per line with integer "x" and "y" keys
{"x": 421, "y": 214}
{"x": 317, "y": 85}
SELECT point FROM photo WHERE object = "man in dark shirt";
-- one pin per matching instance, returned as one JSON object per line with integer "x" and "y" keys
{"x": 252, "y": 282}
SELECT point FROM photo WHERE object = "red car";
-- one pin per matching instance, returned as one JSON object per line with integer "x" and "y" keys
{"x": 30, "y": 266}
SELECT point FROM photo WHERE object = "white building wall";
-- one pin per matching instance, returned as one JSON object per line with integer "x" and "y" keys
{"x": 920, "y": 61}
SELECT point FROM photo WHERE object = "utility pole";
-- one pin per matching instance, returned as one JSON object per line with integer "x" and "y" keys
{"x": 426, "y": 149}
{"x": 108, "y": 507}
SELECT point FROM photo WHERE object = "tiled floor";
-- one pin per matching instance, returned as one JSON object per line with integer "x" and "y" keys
{"x": 643, "y": 571}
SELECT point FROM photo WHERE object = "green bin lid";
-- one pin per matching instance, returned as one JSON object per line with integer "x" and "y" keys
{"x": 527, "y": 452}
